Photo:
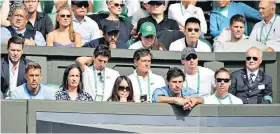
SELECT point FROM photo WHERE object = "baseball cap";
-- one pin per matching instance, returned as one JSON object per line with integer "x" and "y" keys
{"x": 111, "y": 27}
{"x": 146, "y": 1}
{"x": 186, "y": 52}
{"x": 147, "y": 29}
{"x": 79, "y": 2}
{"x": 157, "y": 1}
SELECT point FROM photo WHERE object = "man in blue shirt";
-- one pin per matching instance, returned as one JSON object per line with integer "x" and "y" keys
{"x": 32, "y": 89}
{"x": 174, "y": 93}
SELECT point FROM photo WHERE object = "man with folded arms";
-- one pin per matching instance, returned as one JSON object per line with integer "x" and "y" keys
{"x": 251, "y": 84}
{"x": 221, "y": 96}
{"x": 174, "y": 93}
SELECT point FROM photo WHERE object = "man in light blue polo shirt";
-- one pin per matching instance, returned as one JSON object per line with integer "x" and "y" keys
{"x": 32, "y": 89}
{"x": 84, "y": 25}
{"x": 174, "y": 93}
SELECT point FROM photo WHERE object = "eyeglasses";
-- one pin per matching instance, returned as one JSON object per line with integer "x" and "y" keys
{"x": 193, "y": 29}
{"x": 191, "y": 56}
{"x": 118, "y": 5}
{"x": 226, "y": 80}
{"x": 249, "y": 58}
{"x": 63, "y": 16}
{"x": 123, "y": 88}
{"x": 82, "y": 4}
{"x": 113, "y": 33}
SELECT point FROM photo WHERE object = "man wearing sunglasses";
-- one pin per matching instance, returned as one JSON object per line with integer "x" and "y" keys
{"x": 37, "y": 21}
{"x": 174, "y": 93}
{"x": 199, "y": 78}
{"x": 83, "y": 25}
{"x": 221, "y": 96}
{"x": 110, "y": 39}
{"x": 18, "y": 27}
{"x": 238, "y": 42}
{"x": 251, "y": 84}
{"x": 192, "y": 32}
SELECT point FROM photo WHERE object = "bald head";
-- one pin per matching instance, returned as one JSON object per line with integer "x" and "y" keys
{"x": 255, "y": 50}
{"x": 253, "y": 59}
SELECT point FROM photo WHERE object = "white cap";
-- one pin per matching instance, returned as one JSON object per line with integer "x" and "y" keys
{"x": 146, "y": 1}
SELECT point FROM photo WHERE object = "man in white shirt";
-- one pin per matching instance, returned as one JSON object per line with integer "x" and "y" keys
{"x": 184, "y": 10}
{"x": 199, "y": 78}
{"x": 238, "y": 42}
{"x": 143, "y": 80}
{"x": 98, "y": 80}
{"x": 13, "y": 66}
{"x": 192, "y": 33}
{"x": 268, "y": 30}
{"x": 87, "y": 27}
{"x": 221, "y": 96}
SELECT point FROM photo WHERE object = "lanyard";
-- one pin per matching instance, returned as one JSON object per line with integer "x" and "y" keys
{"x": 140, "y": 87}
{"x": 230, "y": 101}
{"x": 268, "y": 31}
{"x": 145, "y": 13}
{"x": 198, "y": 82}
{"x": 181, "y": 6}
{"x": 95, "y": 81}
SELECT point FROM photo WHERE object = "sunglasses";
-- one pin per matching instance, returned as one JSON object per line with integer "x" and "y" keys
{"x": 118, "y": 5}
{"x": 123, "y": 88}
{"x": 191, "y": 56}
{"x": 249, "y": 58}
{"x": 63, "y": 16}
{"x": 193, "y": 29}
{"x": 226, "y": 80}
{"x": 113, "y": 33}
{"x": 82, "y": 5}
{"x": 155, "y": 4}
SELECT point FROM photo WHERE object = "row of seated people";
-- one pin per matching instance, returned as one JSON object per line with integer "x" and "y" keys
{"x": 20, "y": 79}
{"x": 75, "y": 29}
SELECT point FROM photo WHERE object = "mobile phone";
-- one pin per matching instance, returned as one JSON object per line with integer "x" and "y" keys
{"x": 143, "y": 98}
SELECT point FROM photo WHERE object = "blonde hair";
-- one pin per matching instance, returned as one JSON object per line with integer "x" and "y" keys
{"x": 71, "y": 29}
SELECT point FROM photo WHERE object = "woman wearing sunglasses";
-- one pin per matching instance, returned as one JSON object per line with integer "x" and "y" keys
{"x": 72, "y": 85}
{"x": 122, "y": 90}
{"x": 147, "y": 38}
{"x": 64, "y": 35}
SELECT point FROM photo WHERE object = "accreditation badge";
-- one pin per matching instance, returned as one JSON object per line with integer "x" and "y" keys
{"x": 98, "y": 97}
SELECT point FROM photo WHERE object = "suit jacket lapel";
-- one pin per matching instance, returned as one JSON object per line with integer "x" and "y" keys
{"x": 245, "y": 77}
{"x": 5, "y": 70}
{"x": 21, "y": 72}
{"x": 258, "y": 79}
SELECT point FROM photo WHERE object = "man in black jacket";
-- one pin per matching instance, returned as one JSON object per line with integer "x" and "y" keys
{"x": 250, "y": 84}
{"x": 13, "y": 66}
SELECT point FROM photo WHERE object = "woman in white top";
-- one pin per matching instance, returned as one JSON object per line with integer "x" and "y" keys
{"x": 147, "y": 38}
{"x": 184, "y": 10}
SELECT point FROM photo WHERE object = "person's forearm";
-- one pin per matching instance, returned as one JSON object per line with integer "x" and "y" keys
{"x": 164, "y": 99}
{"x": 4, "y": 13}
{"x": 60, "y": 3}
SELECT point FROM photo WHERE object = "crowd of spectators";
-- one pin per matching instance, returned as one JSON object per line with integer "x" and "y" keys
{"x": 141, "y": 25}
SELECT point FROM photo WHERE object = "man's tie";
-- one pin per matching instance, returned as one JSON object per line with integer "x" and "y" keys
{"x": 251, "y": 81}
{"x": 20, "y": 35}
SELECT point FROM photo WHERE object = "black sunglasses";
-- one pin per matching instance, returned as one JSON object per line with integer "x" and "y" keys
{"x": 193, "y": 29}
{"x": 123, "y": 88}
{"x": 113, "y": 33}
{"x": 63, "y": 16}
{"x": 226, "y": 80}
{"x": 118, "y": 5}
{"x": 155, "y": 4}
{"x": 249, "y": 58}
{"x": 191, "y": 56}
{"x": 82, "y": 4}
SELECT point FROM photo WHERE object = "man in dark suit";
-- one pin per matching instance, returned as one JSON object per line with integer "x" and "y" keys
{"x": 13, "y": 66}
{"x": 251, "y": 84}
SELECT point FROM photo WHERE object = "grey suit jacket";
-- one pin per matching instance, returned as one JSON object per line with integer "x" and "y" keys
{"x": 5, "y": 76}
{"x": 259, "y": 92}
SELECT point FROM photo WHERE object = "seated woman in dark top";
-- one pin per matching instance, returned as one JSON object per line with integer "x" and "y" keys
{"x": 64, "y": 35}
{"x": 72, "y": 85}
{"x": 122, "y": 90}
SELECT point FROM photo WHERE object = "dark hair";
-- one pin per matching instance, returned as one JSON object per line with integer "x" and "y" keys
{"x": 221, "y": 70}
{"x": 192, "y": 20}
{"x": 32, "y": 65}
{"x": 114, "y": 96}
{"x": 141, "y": 52}
{"x": 16, "y": 40}
{"x": 156, "y": 45}
{"x": 175, "y": 72}
{"x": 237, "y": 18}
{"x": 102, "y": 50}
{"x": 64, "y": 84}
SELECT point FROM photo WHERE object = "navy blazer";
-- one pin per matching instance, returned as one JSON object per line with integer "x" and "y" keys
{"x": 259, "y": 92}
{"x": 5, "y": 76}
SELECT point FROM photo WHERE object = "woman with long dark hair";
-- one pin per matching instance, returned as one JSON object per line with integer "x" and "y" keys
{"x": 72, "y": 85}
{"x": 64, "y": 35}
{"x": 122, "y": 90}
